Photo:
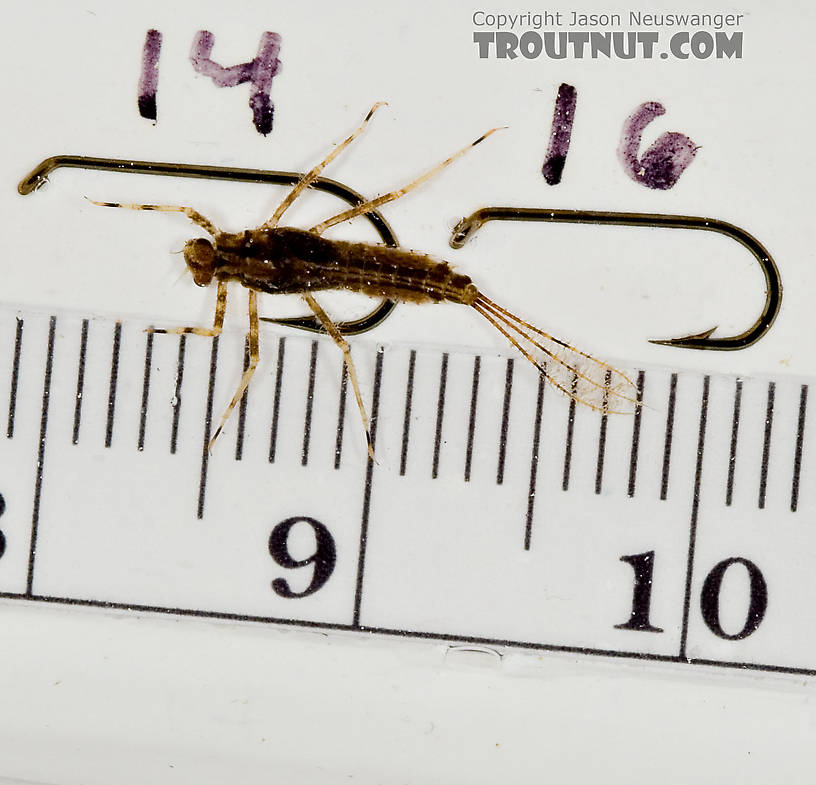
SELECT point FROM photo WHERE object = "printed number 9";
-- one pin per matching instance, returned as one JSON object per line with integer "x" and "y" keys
{"x": 323, "y": 558}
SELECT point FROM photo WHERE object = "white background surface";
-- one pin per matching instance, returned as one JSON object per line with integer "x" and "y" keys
{"x": 94, "y": 696}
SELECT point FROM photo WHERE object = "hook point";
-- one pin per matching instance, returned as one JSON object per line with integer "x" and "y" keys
{"x": 693, "y": 341}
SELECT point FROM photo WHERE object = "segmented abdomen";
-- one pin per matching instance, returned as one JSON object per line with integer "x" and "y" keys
{"x": 395, "y": 273}
{"x": 290, "y": 261}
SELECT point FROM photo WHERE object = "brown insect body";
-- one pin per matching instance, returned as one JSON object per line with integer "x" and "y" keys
{"x": 275, "y": 259}
{"x": 285, "y": 260}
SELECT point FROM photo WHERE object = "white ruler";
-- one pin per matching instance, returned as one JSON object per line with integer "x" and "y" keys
{"x": 497, "y": 513}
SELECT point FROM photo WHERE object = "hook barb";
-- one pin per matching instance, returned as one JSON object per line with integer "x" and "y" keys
{"x": 468, "y": 226}
{"x": 696, "y": 341}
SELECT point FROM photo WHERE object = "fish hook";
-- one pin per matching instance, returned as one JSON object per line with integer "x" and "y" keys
{"x": 467, "y": 227}
{"x": 38, "y": 176}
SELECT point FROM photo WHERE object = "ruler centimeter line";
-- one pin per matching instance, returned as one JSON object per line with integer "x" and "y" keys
{"x": 421, "y": 402}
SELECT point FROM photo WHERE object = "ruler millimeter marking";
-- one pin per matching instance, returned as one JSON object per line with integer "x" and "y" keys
{"x": 553, "y": 549}
{"x": 667, "y": 443}
{"x": 15, "y": 371}
{"x": 474, "y": 397}
{"x": 695, "y": 509}
{"x": 369, "y": 474}
{"x": 800, "y": 437}
{"x": 46, "y": 398}
{"x": 528, "y": 524}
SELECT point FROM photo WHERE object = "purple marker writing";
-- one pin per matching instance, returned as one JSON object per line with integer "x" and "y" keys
{"x": 662, "y": 164}
{"x": 149, "y": 78}
{"x": 259, "y": 72}
{"x": 561, "y": 133}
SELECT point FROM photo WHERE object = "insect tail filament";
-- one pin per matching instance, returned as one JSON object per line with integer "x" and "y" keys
{"x": 576, "y": 374}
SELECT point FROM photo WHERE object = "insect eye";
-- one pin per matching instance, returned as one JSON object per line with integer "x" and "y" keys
{"x": 200, "y": 257}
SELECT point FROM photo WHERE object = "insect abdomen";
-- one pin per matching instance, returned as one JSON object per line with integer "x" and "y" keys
{"x": 290, "y": 260}
{"x": 398, "y": 274}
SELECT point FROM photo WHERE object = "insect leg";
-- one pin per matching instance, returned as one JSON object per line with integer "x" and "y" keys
{"x": 373, "y": 204}
{"x": 331, "y": 329}
{"x": 195, "y": 216}
{"x": 254, "y": 354}
{"x": 218, "y": 319}
{"x": 314, "y": 173}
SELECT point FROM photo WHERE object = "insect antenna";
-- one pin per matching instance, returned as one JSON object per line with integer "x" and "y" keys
{"x": 182, "y": 275}
{"x": 195, "y": 216}
{"x": 573, "y": 372}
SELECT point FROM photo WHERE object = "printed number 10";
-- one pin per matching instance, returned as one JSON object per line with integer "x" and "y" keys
{"x": 643, "y": 566}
